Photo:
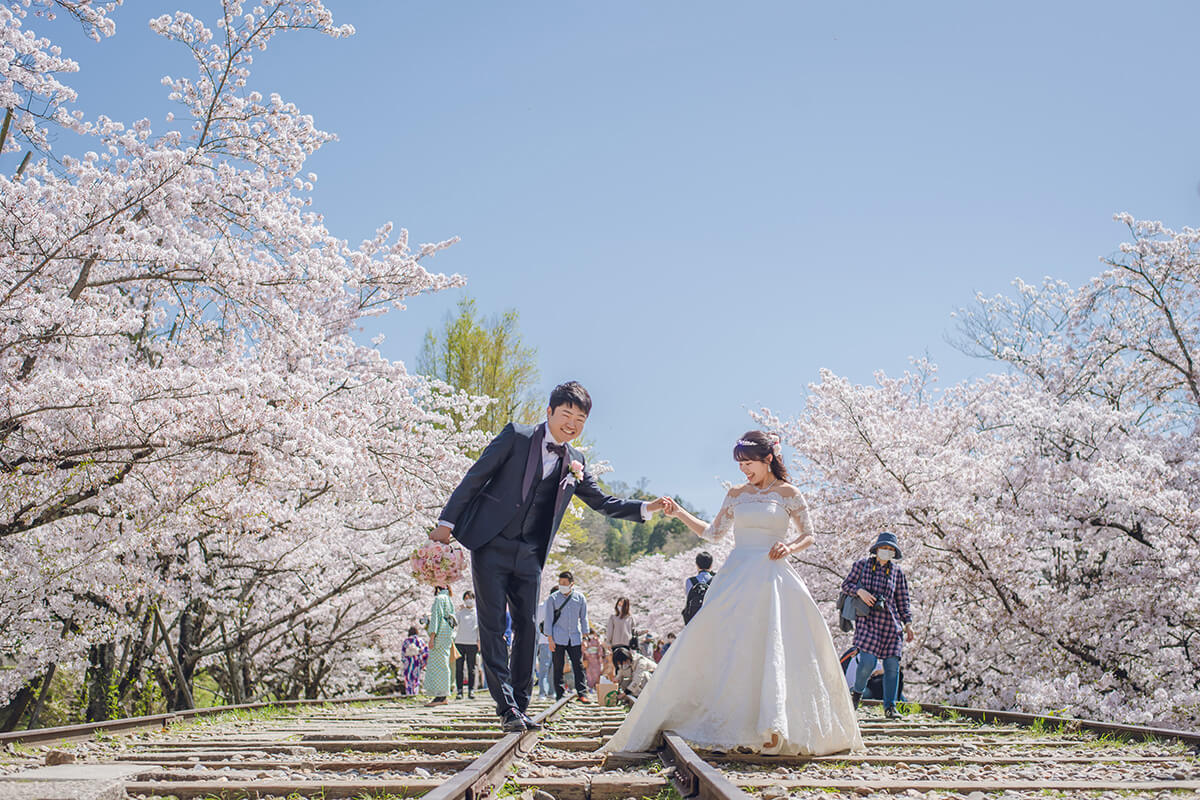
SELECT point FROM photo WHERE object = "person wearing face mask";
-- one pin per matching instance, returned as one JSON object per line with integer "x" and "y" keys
{"x": 466, "y": 641}
{"x": 566, "y": 620}
{"x": 880, "y": 583}
{"x": 441, "y": 625}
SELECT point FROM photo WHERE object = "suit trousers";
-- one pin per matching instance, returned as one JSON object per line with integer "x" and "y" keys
{"x": 507, "y": 574}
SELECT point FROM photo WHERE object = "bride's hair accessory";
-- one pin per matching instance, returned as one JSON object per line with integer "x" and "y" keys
{"x": 770, "y": 442}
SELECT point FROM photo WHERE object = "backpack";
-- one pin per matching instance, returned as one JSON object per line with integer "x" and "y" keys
{"x": 846, "y": 657}
{"x": 695, "y": 599}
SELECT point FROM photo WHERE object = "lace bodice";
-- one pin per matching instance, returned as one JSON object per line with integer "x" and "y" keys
{"x": 774, "y": 512}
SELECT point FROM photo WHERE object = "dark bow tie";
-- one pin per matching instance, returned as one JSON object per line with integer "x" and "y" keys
{"x": 559, "y": 450}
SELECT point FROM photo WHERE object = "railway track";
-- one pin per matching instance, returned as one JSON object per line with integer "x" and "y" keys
{"x": 393, "y": 748}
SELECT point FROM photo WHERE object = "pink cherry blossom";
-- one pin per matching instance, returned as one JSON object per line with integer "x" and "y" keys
{"x": 191, "y": 429}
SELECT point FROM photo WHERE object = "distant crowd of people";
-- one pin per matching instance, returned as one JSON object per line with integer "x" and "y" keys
{"x": 571, "y": 653}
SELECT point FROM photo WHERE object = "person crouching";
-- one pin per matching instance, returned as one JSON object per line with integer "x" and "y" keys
{"x": 633, "y": 671}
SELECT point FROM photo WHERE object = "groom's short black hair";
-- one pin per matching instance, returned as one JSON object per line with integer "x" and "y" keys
{"x": 571, "y": 393}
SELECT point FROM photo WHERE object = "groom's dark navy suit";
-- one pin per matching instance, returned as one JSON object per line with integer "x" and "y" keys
{"x": 506, "y": 513}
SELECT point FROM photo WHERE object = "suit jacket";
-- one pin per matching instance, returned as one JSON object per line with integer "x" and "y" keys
{"x": 495, "y": 487}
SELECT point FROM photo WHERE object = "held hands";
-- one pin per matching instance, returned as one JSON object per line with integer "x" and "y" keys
{"x": 660, "y": 504}
{"x": 779, "y": 550}
{"x": 440, "y": 534}
{"x": 667, "y": 505}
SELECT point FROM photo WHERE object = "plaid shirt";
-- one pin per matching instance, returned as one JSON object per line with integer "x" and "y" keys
{"x": 881, "y": 632}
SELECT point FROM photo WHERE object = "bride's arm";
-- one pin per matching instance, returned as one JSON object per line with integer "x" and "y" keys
{"x": 680, "y": 513}
{"x": 797, "y": 509}
{"x": 712, "y": 531}
{"x": 784, "y": 549}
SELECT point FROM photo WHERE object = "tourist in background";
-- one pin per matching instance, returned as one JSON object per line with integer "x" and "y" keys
{"x": 442, "y": 623}
{"x": 413, "y": 655}
{"x": 633, "y": 671}
{"x": 544, "y": 661}
{"x": 620, "y": 625}
{"x": 593, "y": 658}
{"x": 566, "y": 620}
{"x": 880, "y": 583}
{"x": 646, "y": 643}
{"x": 466, "y": 641}
{"x": 666, "y": 645}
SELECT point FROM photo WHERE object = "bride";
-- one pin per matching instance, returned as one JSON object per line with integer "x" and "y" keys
{"x": 756, "y": 666}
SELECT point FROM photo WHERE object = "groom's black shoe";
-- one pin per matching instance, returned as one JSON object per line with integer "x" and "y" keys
{"x": 513, "y": 722}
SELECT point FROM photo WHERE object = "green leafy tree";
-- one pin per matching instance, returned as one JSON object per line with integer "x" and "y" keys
{"x": 639, "y": 537}
{"x": 616, "y": 550}
{"x": 485, "y": 357}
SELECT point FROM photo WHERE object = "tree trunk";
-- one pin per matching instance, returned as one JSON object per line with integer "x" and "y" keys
{"x": 191, "y": 621}
{"x": 16, "y": 709}
{"x": 179, "y": 694}
{"x": 102, "y": 663}
{"x": 42, "y": 695}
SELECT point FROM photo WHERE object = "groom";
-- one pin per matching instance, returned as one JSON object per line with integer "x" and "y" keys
{"x": 506, "y": 512}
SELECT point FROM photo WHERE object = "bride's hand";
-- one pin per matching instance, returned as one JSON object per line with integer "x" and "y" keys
{"x": 670, "y": 507}
{"x": 779, "y": 550}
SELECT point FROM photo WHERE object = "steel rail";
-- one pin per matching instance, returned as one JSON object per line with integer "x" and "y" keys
{"x": 477, "y": 779}
{"x": 162, "y": 720}
{"x": 693, "y": 776}
{"x": 1071, "y": 723}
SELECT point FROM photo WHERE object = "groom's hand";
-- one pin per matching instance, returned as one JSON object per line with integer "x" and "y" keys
{"x": 440, "y": 534}
{"x": 665, "y": 504}
{"x": 657, "y": 505}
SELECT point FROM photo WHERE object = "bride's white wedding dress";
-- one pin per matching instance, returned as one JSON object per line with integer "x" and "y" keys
{"x": 757, "y": 663}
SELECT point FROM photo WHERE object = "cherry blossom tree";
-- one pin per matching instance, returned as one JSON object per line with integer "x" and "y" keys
{"x": 201, "y": 465}
{"x": 1049, "y": 515}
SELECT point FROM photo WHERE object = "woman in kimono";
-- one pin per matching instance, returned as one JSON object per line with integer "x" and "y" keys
{"x": 442, "y": 623}
{"x": 414, "y": 654}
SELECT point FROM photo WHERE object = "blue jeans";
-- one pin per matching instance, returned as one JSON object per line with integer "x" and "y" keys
{"x": 544, "y": 660}
{"x": 891, "y": 676}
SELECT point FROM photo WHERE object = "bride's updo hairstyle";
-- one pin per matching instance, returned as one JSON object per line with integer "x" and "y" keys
{"x": 757, "y": 446}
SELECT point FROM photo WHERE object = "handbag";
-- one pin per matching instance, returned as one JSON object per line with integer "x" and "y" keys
{"x": 852, "y": 607}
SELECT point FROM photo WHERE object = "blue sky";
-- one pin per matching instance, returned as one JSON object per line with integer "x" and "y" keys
{"x": 695, "y": 206}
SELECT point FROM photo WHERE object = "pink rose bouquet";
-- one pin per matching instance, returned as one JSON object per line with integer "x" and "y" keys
{"x": 438, "y": 564}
